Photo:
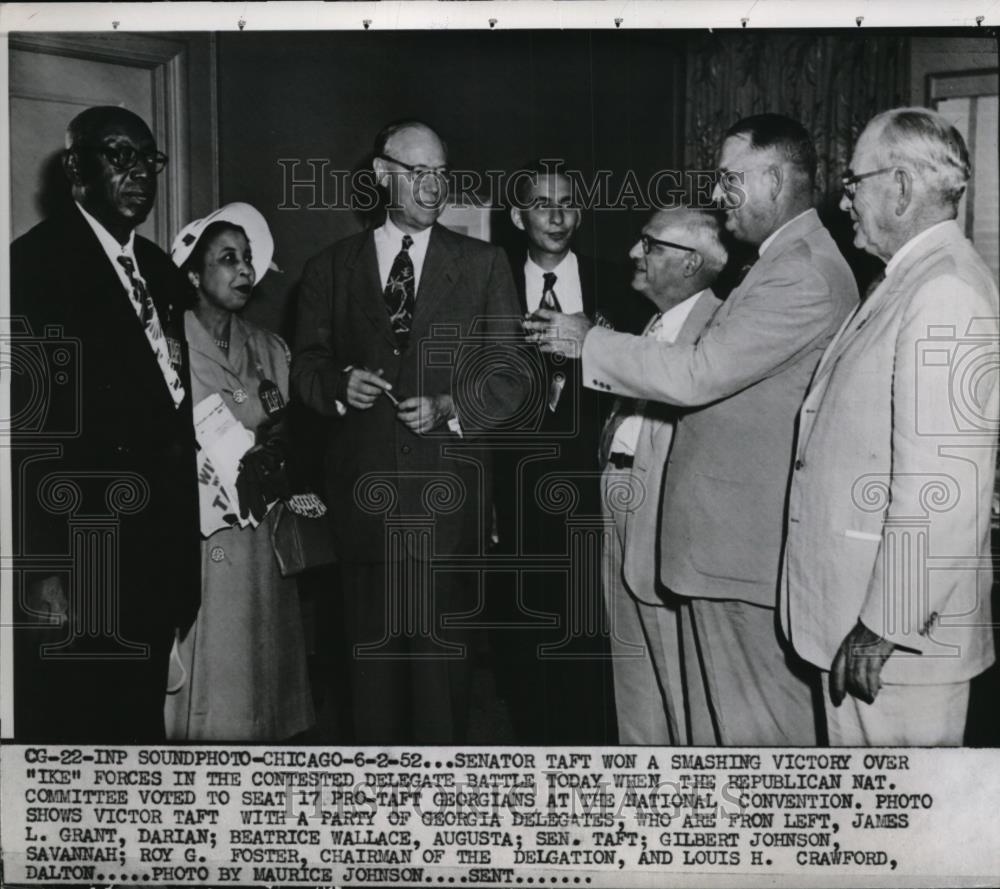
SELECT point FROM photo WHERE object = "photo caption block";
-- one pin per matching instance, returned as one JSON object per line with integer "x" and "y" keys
{"x": 495, "y": 816}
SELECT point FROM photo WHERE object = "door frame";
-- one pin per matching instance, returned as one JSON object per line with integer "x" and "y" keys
{"x": 185, "y": 117}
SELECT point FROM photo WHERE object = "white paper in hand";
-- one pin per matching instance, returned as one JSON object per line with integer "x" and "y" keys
{"x": 223, "y": 441}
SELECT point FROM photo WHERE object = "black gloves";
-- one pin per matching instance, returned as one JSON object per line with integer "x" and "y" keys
{"x": 262, "y": 478}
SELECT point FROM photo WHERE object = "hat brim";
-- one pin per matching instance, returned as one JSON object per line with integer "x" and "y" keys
{"x": 246, "y": 217}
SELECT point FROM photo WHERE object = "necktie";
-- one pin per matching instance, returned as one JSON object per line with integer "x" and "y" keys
{"x": 400, "y": 293}
{"x": 549, "y": 300}
{"x": 146, "y": 311}
{"x": 874, "y": 285}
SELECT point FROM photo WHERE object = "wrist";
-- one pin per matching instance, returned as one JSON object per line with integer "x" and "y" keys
{"x": 340, "y": 395}
{"x": 446, "y": 408}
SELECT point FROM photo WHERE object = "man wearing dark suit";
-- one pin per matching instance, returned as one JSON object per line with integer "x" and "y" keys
{"x": 727, "y": 479}
{"x": 404, "y": 341}
{"x": 123, "y": 477}
{"x": 556, "y": 679}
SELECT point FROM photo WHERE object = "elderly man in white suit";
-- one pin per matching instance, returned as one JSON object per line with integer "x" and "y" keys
{"x": 676, "y": 259}
{"x": 887, "y": 574}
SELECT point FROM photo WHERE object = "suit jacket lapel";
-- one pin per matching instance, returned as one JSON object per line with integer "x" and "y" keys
{"x": 585, "y": 265}
{"x": 517, "y": 260}
{"x": 900, "y": 280}
{"x": 439, "y": 273}
{"x": 366, "y": 286}
{"x": 103, "y": 297}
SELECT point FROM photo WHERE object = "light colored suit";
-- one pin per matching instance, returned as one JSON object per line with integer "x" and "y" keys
{"x": 889, "y": 504}
{"x": 644, "y": 630}
{"x": 724, "y": 494}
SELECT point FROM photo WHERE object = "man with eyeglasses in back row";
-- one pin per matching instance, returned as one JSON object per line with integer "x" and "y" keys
{"x": 95, "y": 631}
{"x": 741, "y": 384}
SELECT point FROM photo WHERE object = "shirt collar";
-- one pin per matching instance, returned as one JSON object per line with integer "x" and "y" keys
{"x": 770, "y": 239}
{"x": 395, "y": 235}
{"x": 567, "y": 266}
{"x": 110, "y": 244}
{"x": 896, "y": 257}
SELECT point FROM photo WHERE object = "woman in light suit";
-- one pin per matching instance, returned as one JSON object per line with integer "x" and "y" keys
{"x": 240, "y": 673}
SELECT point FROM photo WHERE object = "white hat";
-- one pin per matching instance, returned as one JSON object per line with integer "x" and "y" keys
{"x": 246, "y": 217}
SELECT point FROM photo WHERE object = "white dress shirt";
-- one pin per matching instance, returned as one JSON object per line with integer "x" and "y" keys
{"x": 664, "y": 327}
{"x": 113, "y": 249}
{"x": 567, "y": 287}
{"x": 388, "y": 243}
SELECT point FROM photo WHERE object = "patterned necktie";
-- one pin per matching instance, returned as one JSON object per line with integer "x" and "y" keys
{"x": 549, "y": 300}
{"x": 142, "y": 302}
{"x": 400, "y": 293}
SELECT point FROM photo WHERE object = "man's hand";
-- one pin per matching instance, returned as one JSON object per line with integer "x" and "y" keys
{"x": 363, "y": 387}
{"x": 47, "y": 597}
{"x": 858, "y": 665}
{"x": 423, "y": 413}
{"x": 555, "y": 332}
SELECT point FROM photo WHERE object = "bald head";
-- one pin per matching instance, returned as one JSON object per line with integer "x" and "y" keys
{"x": 88, "y": 128}
{"x": 411, "y": 167}
{"x": 400, "y": 133}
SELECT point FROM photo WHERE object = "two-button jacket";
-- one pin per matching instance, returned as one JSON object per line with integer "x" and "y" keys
{"x": 104, "y": 404}
{"x": 888, "y": 517}
{"x": 464, "y": 341}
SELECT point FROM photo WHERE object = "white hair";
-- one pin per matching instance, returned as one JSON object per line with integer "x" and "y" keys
{"x": 699, "y": 229}
{"x": 926, "y": 142}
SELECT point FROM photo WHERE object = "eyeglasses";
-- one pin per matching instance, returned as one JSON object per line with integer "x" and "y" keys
{"x": 417, "y": 169}
{"x": 648, "y": 242}
{"x": 125, "y": 157}
{"x": 849, "y": 181}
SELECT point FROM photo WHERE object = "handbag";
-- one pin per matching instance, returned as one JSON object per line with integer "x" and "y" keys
{"x": 300, "y": 542}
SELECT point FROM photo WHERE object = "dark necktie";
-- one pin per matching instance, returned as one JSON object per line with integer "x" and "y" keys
{"x": 400, "y": 293}
{"x": 549, "y": 300}
{"x": 874, "y": 284}
{"x": 142, "y": 302}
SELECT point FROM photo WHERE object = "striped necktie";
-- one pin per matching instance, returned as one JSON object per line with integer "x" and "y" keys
{"x": 142, "y": 302}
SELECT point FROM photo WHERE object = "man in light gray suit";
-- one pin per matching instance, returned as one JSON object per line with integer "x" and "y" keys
{"x": 727, "y": 478}
{"x": 676, "y": 259}
{"x": 888, "y": 573}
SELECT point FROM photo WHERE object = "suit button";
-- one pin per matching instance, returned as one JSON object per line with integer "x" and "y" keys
{"x": 395, "y": 351}
{"x": 405, "y": 449}
{"x": 122, "y": 449}
{"x": 799, "y": 464}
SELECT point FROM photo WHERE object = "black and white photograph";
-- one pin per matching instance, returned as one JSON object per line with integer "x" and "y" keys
{"x": 592, "y": 393}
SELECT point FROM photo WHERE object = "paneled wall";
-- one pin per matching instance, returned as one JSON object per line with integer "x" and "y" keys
{"x": 603, "y": 100}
